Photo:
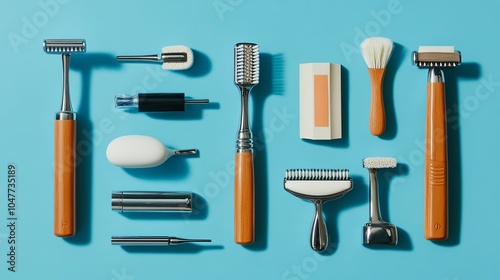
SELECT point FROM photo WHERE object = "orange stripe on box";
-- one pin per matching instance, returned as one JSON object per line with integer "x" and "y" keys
{"x": 321, "y": 101}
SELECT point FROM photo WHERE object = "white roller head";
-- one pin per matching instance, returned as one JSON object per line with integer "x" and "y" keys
{"x": 376, "y": 51}
{"x": 178, "y": 65}
{"x": 137, "y": 151}
{"x": 379, "y": 162}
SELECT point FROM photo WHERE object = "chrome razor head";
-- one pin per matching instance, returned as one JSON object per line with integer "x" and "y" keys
{"x": 246, "y": 64}
{"x": 316, "y": 184}
{"x": 437, "y": 56}
{"x": 64, "y": 46}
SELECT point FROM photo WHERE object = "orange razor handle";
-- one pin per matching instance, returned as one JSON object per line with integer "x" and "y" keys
{"x": 377, "y": 111}
{"x": 64, "y": 178}
{"x": 244, "y": 198}
{"x": 436, "y": 173}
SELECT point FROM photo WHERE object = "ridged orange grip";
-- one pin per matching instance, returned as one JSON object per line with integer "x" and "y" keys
{"x": 377, "y": 111}
{"x": 64, "y": 177}
{"x": 244, "y": 198}
{"x": 436, "y": 173}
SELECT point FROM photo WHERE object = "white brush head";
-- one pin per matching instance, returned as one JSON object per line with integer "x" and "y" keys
{"x": 379, "y": 162}
{"x": 184, "y": 64}
{"x": 376, "y": 51}
{"x": 246, "y": 64}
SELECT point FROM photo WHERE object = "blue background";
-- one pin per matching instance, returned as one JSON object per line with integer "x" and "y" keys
{"x": 289, "y": 33}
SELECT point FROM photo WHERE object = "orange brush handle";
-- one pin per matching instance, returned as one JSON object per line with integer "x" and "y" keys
{"x": 244, "y": 198}
{"x": 436, "y": 173}
{"x": 64, "y": 178}
{"x": 377, "y": 112}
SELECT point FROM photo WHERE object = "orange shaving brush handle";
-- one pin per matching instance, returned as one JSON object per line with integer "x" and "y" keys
{"x": 244, "y": 198}
{"x": 64, "y": 178}
{"x": 377, "y": 111}
{"x": 436, "y": 173}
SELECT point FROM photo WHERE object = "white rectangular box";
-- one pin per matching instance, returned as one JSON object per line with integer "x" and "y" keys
{"x": 320, "y": 101}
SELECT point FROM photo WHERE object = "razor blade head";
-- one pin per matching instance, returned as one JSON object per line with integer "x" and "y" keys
{"x": 64, "y": 46}
{"x": 317, "y": 184}
{"x": 379, "y": 162}
{"x": 246, "y": 64}
{"x": 437, "y": 56}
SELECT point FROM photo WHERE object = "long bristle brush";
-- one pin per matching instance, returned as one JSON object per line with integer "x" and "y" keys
{"x": 376, "y": 52}
{"x": 246, "y": 76}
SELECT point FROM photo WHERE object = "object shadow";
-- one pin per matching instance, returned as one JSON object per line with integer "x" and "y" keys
{"x": 344, "y": 141}
{"x": 270, "y": 82}
{"x": 201, "y": 65}
{"x": 174, "y": 168}
{"x": 177, "y": 249}
{"x": 466, "y": 71}
{"x": 86, "y": 64}
{"x": 331, "y": 210}
{"x": 384, "y": 181}
{"x": 397, "y": 58}
{"x": 199, "y": 212}
{"x": 192, "y": 112}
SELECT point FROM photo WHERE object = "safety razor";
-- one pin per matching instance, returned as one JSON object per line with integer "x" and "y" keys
{"x": 64, "y": 142}
{"x": 436, "y": 168}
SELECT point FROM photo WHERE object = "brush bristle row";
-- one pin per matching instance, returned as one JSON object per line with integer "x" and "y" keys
{"x": 317, "y": 174}
{"x": 437, "y": 64}
{"x": 246, "y": 57}
{"x": 64, "y": 49}
{"x": 379, "y": 162}
{"x": 376, "y": 51}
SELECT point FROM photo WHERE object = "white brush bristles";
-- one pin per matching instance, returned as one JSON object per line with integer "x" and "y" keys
{"x": 379, "y": 162}
{"x": 376, "y": 51}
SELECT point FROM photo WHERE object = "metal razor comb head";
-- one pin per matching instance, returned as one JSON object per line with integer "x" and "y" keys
{"x": 64, "y": 46}
{"x": 246, "y": 68}
{"x": 441, "y": 57}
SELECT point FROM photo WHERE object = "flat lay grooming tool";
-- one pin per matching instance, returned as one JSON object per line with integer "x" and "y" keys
{"x": 140, "y": 201}
{"x": 377, "y": 231}
{"x": 64, "y": 142}
{"x": 156, "y": 102}
{"x": 246, "y": 76}
{"x": 318, "y": 186}
{"x": 376, "y": 52}
{"x": 152, "y": 240}
{"x": 320, "y": 101}
{"x": 172, "y": 57}
{"x": 436, "y": 58}
{"x": 141, "y": 151}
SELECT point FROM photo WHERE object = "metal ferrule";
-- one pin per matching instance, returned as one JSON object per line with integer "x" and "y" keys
{"x": 435, "y": 75}
{"x": 244, "y": 142}
{"x": 66, "y": 116}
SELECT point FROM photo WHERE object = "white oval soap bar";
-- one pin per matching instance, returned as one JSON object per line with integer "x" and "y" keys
{"x": 136, "y": 151}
